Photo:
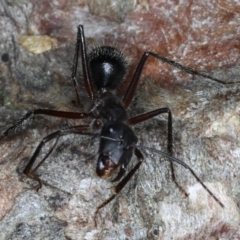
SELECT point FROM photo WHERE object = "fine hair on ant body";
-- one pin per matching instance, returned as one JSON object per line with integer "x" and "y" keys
{"x": 103, "y": 70}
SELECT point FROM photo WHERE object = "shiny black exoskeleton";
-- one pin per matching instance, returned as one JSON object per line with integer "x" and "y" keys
{"x": 107, "y": 67}
{"x": 103, "y": 69}
{"x": 113, "y": 154}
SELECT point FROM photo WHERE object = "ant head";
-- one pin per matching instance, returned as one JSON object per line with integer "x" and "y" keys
{"x": 115, "y": 148}
{"x": 108, "y": 67}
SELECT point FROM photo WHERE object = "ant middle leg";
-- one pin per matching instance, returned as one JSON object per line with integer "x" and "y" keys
{"x": 53, "y": 113}
{"x": 149, "y": 115}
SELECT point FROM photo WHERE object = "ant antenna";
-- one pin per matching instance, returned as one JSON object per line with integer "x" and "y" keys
{"x": 172, "y": 159}
{"x": 176, "y": 160}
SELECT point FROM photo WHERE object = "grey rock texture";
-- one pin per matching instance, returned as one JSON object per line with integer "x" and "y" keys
{"x": 206, "y": 120}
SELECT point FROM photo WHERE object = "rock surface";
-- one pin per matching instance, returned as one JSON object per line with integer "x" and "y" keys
{"x": 206, "y": 120}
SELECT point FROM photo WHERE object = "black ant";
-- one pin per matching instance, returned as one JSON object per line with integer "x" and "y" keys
{"x": 103, "y": 69}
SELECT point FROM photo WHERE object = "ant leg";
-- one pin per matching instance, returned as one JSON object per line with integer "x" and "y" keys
{"x": 121, "y": 184}
{"x": 149, "y": 115}
{"x": 135, "y": 80}
{"x": 53, "y": 113}
{"x": 28, "y": 171}
{"x": 80, "y": 44}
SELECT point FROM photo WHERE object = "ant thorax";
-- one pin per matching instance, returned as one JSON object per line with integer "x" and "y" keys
{"x": 109, "y": 108}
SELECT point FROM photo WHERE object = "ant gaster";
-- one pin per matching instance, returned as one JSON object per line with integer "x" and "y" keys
{"x": 103, "y": 69}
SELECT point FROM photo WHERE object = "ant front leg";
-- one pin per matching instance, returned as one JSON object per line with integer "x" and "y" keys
{"x": 29, "y": 171}
{"x": 149, "y": 115}
{"x": 121, "y": 184}
{"x": 53, "y": 113}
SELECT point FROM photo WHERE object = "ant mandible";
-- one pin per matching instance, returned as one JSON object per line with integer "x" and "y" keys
{"x": 103, "y": 69}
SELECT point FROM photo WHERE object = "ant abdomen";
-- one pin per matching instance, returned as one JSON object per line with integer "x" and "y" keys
{"x": 108, "y": 67}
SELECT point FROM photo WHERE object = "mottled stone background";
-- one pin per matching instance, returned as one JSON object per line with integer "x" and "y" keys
{"x": 37, "y": 45}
